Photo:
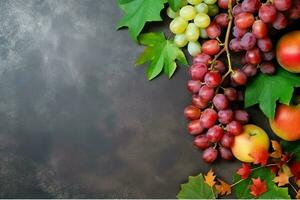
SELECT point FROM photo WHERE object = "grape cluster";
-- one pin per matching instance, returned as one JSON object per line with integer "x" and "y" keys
{"x": 213, "y": 116}
{"x": 190, "y": 23}
{"x": 252, "y": 22}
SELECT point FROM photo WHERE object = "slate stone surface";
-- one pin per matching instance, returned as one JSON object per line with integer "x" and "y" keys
{"x": 77, "y": 120}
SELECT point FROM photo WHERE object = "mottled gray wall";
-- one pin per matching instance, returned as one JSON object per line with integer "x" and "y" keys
{"x": 76, "y": 118}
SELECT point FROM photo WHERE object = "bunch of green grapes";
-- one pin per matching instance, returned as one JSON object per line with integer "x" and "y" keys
{"x": 190, "y": 21}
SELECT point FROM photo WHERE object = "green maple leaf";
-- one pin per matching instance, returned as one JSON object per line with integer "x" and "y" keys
{"x": 175, "y": 4}
{"x": 241, "y": 190}
{"x": 138, "y": 12}
{"x": 196, "y": 188}
{"x": 161, "y": 54}
{"x": 266, "y": 90}
{"x": 292, "y": 147}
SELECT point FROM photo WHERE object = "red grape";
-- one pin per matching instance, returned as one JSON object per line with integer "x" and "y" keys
{"x": 213, "y": 79}
{"x": 244, "y": 20}
{"x": 206, "y": 93}
{"x": 234, "y": 128}
{"x": 259, "y": 29}
{"x": 227, "y": 140}
{"x": 201, "y": 142}
{"x": 194, "y": 86}
{"x": 267, "y": 68}
{"x": 219, "y": 66}
{"x": 194, "y": 127}
{"x": 224, "y": 3}
{"x": 215, "y": 133}
{"x": 253, "y": 56}
{"x": 265, "y": 44}
{"x": 241, "y": 116}
{"x": 222, "y": 20}
{"x": 225, "y": 153}
{"x": 239, "y": 77}
{"x": 282, "y": 5}
{"x": 249, "y": 70}
{"x": 235, "y": 45}
{"x": 225, "y": 116}
{"x": 208, "y": 118}
{"x": 248, "y": 41}
{"x": 237, "y": 9}
{"x": 267, "y": 13}
{"x": 231, "y": 94}
{"x": 237, "y": 32}
{"x": 210, "y": 155}
{"x": 213, "y": 30}
{"x": 220, "y": 102}
{"x": 192, "y": 112}
{"x": 199, "y": 102}
{"x": 250, "y": 5}
{"x": 197, "y": 71}
{"x": 268, "y": 56}
{"x": 202, "y": 58}
{"x": 294, "y": 11}
{"x": 211, "y": 47}
{"x": 280, "y": 22}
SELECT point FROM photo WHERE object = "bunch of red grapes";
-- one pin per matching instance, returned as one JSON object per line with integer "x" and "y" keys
{"x": 252, "y": 22}
{"x": 215, "y": 116}
{"x": 214, "y": 120}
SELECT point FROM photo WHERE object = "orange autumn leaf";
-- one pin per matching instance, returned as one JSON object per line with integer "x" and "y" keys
{"x": 298, "y": 195}
{"x": 260, "y": 157}
{"x": 258, "y": 187}
{"x": 277, "y": 149}
{"x": 210, "y": 178}
{"x": 282, "y": 179}
{"x": 297, "y": 182}
{"x": 224, "y": 188}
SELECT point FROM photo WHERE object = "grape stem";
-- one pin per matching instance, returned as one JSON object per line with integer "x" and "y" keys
{"x": 226, "y": 43}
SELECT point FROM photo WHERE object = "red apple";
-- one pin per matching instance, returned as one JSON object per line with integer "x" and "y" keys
{"x": 286, "y": 123}
{"x": 288, "y": 52}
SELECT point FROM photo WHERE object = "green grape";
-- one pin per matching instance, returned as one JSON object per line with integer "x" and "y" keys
{"x": 171, "y": 13}
{"x": 201, "y": 8}
{"x": 213, "y": 9}
{"x": 202, "y": 20}
{"x": 188, "y": 12}
{"x": 194, "y": 48}
{"x": 203, "y": 33}
{"x": 194, "y": 2}
{"x": 192, "y": 32}
{"x": 178, "y": 25}
{"x": 180, "y": 40}
{"x": 210, "y": 1}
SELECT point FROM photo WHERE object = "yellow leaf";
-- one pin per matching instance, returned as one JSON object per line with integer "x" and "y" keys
{"x": 298, "y": 195}
{"x": 282, "y": 179}
{"x": 224, "y": 188}
{"x": 210, "y": 178}
{"x": 277, "y": 149}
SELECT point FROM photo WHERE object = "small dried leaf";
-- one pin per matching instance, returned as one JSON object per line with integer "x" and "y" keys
{"x": 223, "y": 188}
{"x": 277, "y": 149}
{"x": 282, "y": 179}
{"x": 258, "y": 187}
{"x": 298, "y": 195}
{"x": 210, "y": 178}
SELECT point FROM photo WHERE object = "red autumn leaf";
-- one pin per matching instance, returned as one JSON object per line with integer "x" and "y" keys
{"x": 295, "y": 169}
{"x": 258, "y": 187}
{"x": 260, "y": 157}
{"x": 244, "y": 171}
{"x": 274, "y": 169}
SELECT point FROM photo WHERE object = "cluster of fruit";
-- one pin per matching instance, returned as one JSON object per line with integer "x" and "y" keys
{"x": 252, "y": 22}
{"x": 190, "y": 22}
{"x": 214, "y": 116}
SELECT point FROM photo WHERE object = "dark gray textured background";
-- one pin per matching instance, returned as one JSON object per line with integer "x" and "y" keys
{"x": 77, "y": 120}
